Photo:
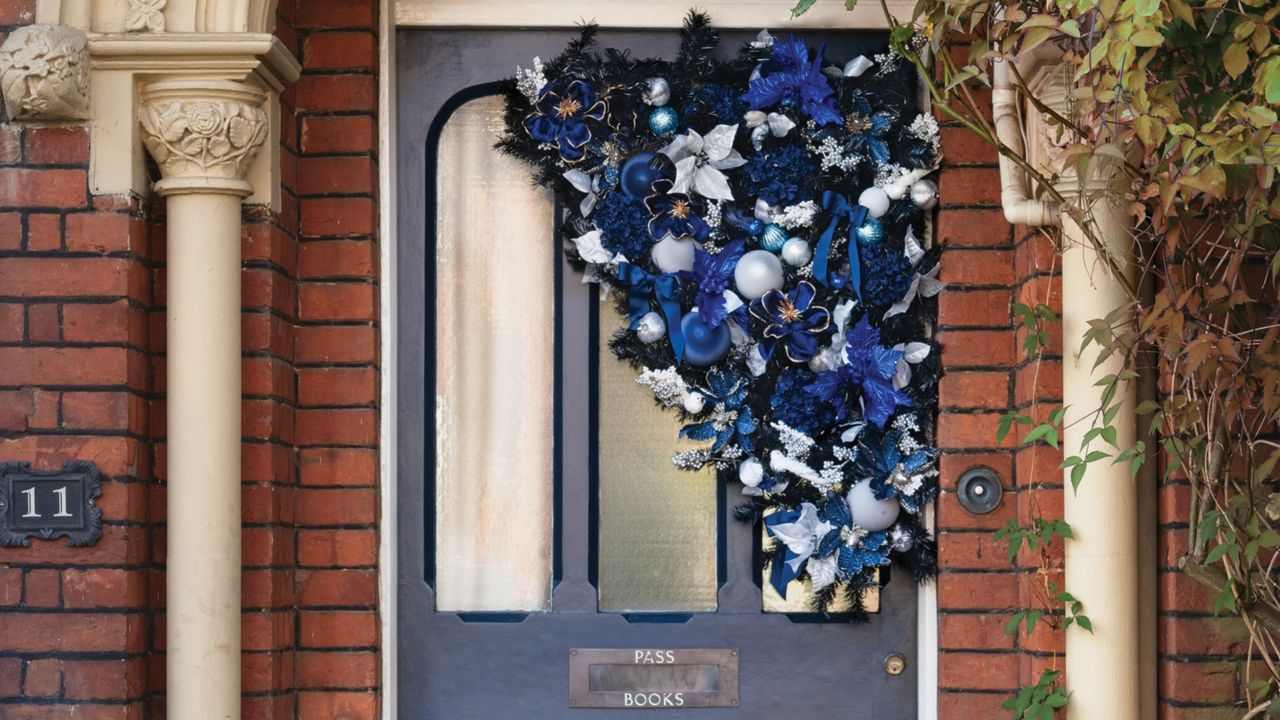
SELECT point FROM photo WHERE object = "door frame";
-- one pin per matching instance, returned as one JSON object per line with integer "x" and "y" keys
{"x": 394, "y": 14}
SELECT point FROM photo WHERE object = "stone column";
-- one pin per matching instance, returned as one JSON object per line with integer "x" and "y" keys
{"x": 203, "y": 135}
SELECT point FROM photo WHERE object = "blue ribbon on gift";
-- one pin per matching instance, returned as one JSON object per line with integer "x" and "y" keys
{"x": 839, "y": 208}
{"x": 781, "y": 572}
{"x": 663, "y": 289}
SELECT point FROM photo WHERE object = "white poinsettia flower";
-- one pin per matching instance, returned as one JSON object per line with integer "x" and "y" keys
{"x": 700, "y": 159}
{"x": 591, "y": 249}
{"x": 822, "y": 571}
{"x": 763, "y": 124}
{"x": 802, "y": 536}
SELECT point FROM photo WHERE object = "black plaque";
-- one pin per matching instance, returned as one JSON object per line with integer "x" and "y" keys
{"x": 653, "y": 678}
{"x": 50, "y": 503}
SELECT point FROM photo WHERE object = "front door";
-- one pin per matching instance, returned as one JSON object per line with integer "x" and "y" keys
{"x": 526, "y": 529}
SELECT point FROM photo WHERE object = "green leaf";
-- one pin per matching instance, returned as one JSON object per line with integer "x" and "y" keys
{"x": 1077, "y": 476}
{"x": 1271, "y": 80}
{"x": 1235, "y": 60}
{"x": 1148, "y": 37}
{"x": 802, "y": 7}
{"x": 1084, "y": 622}
{"x": 1220, "y": 551}
{"x": 1069, "y": 27}
{"x": 1146, "y": 8}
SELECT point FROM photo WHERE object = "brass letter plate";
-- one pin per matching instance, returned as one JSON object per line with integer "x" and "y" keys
{"x": 653, "y": 678}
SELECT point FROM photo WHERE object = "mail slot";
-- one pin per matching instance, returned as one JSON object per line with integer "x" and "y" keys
{"x": 653, "y": 678}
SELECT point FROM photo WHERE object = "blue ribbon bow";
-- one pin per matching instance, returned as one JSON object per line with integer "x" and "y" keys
{"x": 663, "y": 287}
{"x": 838, "y": 207}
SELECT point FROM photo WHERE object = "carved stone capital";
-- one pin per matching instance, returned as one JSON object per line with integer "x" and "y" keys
{"x": 203, "y": 134}
{"x": 44, "y": 73}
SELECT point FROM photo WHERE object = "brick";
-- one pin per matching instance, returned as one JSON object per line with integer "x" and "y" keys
{"x": 337, "y": 301}
{"x": 971, "y": 551}
{"x": 334, "y": 13}
{"x": 974, "y": 389}
{"x": 961, "y": 146}
{"x": 1200, "y": 682}
{"x": 57, "y": 145}
{"x": 16, "y": 408}
{"x": 337, "y": 670}
{"x": 974, "y": 431}
{"x": 266, "y": 672}
{"x": 337, "y": 92}
{"x": 1038, "y": 464}
{"x": 337, "y": 217}
{"x": 970, "y": 227}
{"x": 64, "y": 366}
{"x": 1039, "y": 381}
{"x": 43, "y": 679}
{"x": 11, "y": 322}
{"x": 61, "y": 276}
{"x": 42, "y": 589}
{"x": 96, "y": 410}
{"x": 1034, "y": 255}
{"x": 44, "y": 232}
{"x": 337, "y": 588}
{"x": 325, "y": 506}
{"x": 68, "y": 632}
{"x": 10, "y": 230}
{"x": 103, "y": 679}
{"x": 338, "y": 466}
{"x": 974, "y": 308}
{"x": 954, "y": 705}
{"x": 337, "y": 427}
{"x": 34, "y": 188}
{"x": 336, "y": 175}
{"x": 337, "y": 259}
{"x": 337, "y": 548}
{"x": 267, "y": 630}
{"x": 101, "y": 232}
{"x": 102, "y": 322}
{"x": 10, "y": 586}
{"x": 1191, "y": 636}
{"x": 341, "y": 134}
{"x": 977, "y": 671}
{"x": 10, "y": 677}
{"x": 346, "y": 705}
{"x": 977, "y": 267}
{"x": 98, "y": 588}
{"x": 347, "y": 629}
{"x": 953, "y": 516}
{"x": 337, "y": 386}
{"x": 340, "y": 51}
{"x": 977, "y": 631}
{"x": 42, "y": 323}
{"x": 331, "y": 344}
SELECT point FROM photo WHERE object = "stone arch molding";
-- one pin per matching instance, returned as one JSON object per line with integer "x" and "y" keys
{"x": 203, "y": 16}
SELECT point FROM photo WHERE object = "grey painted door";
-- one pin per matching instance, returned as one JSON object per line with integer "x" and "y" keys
{"x": 481, "y": 665}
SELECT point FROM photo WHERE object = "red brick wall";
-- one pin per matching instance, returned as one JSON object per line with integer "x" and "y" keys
{"x": 82, "y": 291}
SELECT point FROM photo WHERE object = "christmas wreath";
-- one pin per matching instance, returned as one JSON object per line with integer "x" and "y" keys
{"x": 758, "y": 220}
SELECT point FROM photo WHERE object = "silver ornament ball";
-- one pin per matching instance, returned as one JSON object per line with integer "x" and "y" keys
{"x": 900, "y": 539}
{"x": 875, "y": 200}
{"x": 657, "y": 91}
{"x": 796, "y": 252}
{"x": 757, "y": 272}
{"x": 651, "y": 328}
{"x": 924, "y": 193}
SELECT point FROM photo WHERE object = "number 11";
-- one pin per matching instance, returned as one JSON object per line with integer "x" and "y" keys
{"x": 31, "y": 503}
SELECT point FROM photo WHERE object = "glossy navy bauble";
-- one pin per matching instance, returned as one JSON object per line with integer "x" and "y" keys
{"x": 703, "y": 345}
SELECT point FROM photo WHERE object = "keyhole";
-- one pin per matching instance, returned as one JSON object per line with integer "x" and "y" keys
{"x": 895, "y": 664}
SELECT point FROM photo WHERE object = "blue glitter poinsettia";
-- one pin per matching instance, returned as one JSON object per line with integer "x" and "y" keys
{"x": 893, "y": 473}
{"x": 673, "y": 214}
{"x": 868, "y": 130}
{"x": 868, "y": 371}
{"x": 791, "y": 320}
{"x": 731, "y": 419}
{"x": 712, "y": 273}
{"x": 560, "y": 117}
{"x": 871, "y": 552}
{"x": 791, "y": 78}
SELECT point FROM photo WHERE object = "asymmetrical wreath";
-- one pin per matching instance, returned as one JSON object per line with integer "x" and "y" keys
{"x": 758, "y": 221}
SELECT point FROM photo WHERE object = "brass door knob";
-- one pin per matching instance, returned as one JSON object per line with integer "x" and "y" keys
{"x": 895, "y": 664}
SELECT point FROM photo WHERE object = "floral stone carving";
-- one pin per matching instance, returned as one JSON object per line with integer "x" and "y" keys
{"x": 145, "y": 15}
{"x": 217, "y": 138}
{"x": 44, "y": 73}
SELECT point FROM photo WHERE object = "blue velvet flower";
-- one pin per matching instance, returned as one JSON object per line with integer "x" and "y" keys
{"x": 560, "y": 117}
{"x": 731, "y": 419}
{"x": 892, "y": 473}
{"x": 795, "y": 407}
{"x": 781, "y": 176}
{"x": 712, "y": 274}
{"x": 868, "y": 372}
{"x": 871, "y": 552}
{"x": 623, "y": 224}
{"x": 791, "y": 320}
{"x": 673, "y": 213}
{"x": 868, "y": 130}
{"x": 886, "y": 273}
{"x": 791, "y": 78}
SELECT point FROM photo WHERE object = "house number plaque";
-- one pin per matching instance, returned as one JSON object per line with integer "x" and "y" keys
{"x": 653, "y": 678}
{"x": 50, "y": 503}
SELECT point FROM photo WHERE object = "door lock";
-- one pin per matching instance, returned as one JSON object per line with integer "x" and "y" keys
{"x": 895, "y": 664}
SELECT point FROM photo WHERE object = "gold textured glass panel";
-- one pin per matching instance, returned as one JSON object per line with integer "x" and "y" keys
{"x": 657, "y": 522}
{"x": 494, "y": 373}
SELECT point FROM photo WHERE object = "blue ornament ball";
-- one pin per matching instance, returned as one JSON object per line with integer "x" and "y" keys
{"x": 663, "y": 121}
{"x": 753, "y": 226}
{"x": 703, "y": 345}
{"x": 870, "y": 232}
{"x": 772, "y": 238}
{"x": 638, "y": 173}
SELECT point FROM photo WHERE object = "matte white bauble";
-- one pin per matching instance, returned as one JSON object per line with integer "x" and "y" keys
{"x": 657, "y": 91}
{"x": 758, "y": 272}
{"x": 651, "y": 328}
{"x": 924, "y": 193}
{"x": 750, "y": 472}
{"x": 796, "y": 252}
{"x": 875, "y": 200}
{"x": 672, "y": 255}
{"x": 868, "y": 512}
{"x": 694, "y": 402}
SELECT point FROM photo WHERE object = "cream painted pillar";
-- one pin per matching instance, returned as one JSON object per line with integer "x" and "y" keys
{"x": 203, "y": 135}
{"x": 1102, "y": 568}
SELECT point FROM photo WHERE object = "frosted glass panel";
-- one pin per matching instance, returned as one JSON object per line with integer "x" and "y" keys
{"x": 495, "y": 320}
{"x": 657, "y": 523}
